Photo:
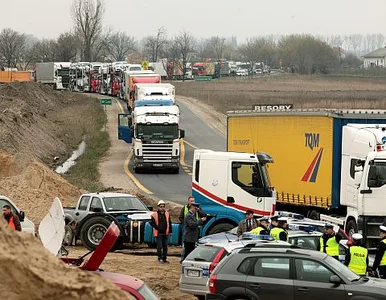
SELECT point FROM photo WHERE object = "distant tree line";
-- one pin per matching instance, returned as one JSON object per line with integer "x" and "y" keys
{"x": 89, "y": 41}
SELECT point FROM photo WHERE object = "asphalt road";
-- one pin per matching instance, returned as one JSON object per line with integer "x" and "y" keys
{"x": 198, "y": 135}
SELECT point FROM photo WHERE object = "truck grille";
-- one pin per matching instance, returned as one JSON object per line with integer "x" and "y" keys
{"x": 157, "y": 153}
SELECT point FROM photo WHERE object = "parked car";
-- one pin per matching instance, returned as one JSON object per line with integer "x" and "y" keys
{"x": 26, "y": 224}
{"x": 200, "y": 263}
{"x": 288, "y": 272}
{"x": 242, "y": 72}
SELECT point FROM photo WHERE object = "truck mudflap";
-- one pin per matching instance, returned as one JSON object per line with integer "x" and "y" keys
{"x": 175, "y": 239}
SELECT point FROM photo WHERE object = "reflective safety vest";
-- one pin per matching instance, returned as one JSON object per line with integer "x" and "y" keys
{"x": 257, "y": 230}
{"x": 275, "y": 232}
{"x": 358, "y": 257}
{"x": 186, "y": 210}
{"x": 155, "y": 216}
{"x": 383, "y": 261}
{"x": 11, "y": 223}
{"x": 332, "y": 248}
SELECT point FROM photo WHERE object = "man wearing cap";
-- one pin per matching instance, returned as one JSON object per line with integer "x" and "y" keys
{"x": 191, "y": 228}
{"x": 380, "y": 257}
{"x": 162, "y": 228}
{"x": 248, "y": 224}
{"x": 280, "y": 233}
{"x": 262, "y": 228}
{"x": 357, "y": 258}
{"x": 274, "y": 223}
{"x": 329, "y": 242}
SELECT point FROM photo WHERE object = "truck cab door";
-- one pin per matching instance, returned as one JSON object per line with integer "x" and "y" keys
{"x": 246, "y": 188}
{"x": 124, "y": 127}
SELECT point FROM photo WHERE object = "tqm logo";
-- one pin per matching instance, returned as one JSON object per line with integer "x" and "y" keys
{"x": 312, "y": 141}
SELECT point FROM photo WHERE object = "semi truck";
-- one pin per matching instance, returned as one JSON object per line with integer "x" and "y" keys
{"x": 56, "y": 74}
{"x": 154, "y": 91}
{"x": 329, "y": 164}
{"x": 227, "y": 184}
{"x": 155, "y": 134}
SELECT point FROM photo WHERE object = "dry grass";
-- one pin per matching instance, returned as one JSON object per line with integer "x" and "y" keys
{"x": 302, "y": 91}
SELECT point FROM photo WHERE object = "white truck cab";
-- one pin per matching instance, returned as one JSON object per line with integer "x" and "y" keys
{"x": 154, "y": 91}
{"x": 26, "y": 225}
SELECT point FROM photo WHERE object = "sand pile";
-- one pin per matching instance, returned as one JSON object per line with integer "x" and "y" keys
{"x": 33, "y": 186}
{"x": 29, "y": 271}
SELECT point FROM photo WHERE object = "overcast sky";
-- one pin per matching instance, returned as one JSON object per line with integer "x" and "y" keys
{"x": 205, "y": 18}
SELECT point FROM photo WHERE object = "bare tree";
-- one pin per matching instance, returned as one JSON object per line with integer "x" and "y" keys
{"x": 250, "y": 51}
{"x": 12, "y": 45}
{"x": 173, "y": 55}
{"x": 154, "y": 45}
{"x": 47, "y": 50}
{"x": 67, "y": 47}
{"x": 87, "y": 16}
{"x": 185, "y": 42}
{"x": 218, "y": 46}
{"x": 120, "y": 45}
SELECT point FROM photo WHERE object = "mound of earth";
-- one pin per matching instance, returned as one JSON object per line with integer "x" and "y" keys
{"x": 32, "y": 185}
{"x": 29, "y": 271}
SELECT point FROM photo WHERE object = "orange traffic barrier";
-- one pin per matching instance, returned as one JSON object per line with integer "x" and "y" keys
{"x": 11, "y": 76}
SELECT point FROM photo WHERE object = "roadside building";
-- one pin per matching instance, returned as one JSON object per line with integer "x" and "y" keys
{"x": 375, "y": 59}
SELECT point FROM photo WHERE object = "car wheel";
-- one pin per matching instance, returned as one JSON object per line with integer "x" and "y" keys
{"x": 93, "y": 231}
{"x": 351, "y": 228}
{"x": 221, "y": 228}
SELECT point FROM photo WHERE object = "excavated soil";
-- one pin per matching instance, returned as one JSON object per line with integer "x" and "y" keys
{"x": 31, "y": 272}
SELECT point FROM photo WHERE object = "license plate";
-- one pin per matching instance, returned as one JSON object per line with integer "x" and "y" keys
{"x": 157, "y": 165}
{"x": 192, "y": 273}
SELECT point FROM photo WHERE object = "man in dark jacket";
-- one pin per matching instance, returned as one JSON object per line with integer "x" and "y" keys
{"x": 184, "y": 211}
{"x": 162, "y": 228}
{"x": 11, "y": 218}
{"x": 380, "y": 257}
{"x": 191, "y": 228}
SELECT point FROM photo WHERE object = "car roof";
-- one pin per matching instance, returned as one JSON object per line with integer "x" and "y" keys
{"x": 298, "y": 233}
{"x": 109, "y": 195}
{"x": 121, "y": 279}
{"x": 230, "y": 246}
{"x": 291, "y": 250}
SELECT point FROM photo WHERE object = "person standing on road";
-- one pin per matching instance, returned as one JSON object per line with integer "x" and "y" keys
{"x": 357, "y": 258}
{"x": 162, "y": 228}
{"x": 191, "y": 228}
{"x": 262, "y": 228}
{"x": 329, "y": 242}
{"x": 380, "y": 257}
{"x": 11, "y": 218}
{"x": 280, "y": 233}
{"x": 248, "y": 224}
{"x": 184, "y": 211}
{"x": 274, "y": 223}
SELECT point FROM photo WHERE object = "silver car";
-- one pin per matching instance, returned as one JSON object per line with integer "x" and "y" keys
{"x": 200, "y": 263}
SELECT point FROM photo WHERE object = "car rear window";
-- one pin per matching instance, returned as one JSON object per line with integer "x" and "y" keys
{"x": 203, "y": 253}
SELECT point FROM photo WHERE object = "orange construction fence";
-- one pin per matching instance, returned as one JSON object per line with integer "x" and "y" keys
{"x": 11, "y": 76}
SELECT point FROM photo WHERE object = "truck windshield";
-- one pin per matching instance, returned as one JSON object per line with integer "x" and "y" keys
{"x": 157, "y": 131}
{"x": 63, "y": 72}
{"x": 123, "y": 204}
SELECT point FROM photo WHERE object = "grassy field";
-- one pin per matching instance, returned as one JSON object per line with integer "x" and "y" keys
{"x": 86, "y": 121}
{"x": 302, "y": 91}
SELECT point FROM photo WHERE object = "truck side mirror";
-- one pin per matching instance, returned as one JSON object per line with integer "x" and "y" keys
{"x": 182, "y": 133}
{"x": 358, "y": 177}
{"x": 21, "y": 216}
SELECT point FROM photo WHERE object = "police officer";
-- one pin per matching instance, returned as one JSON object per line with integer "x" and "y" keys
{"x": 263, "y": 227}
{"x": 357, "y": 258}
{"x": 329, "y": 242}
{"x": 380, "y": 257}
{"x": 280, "y": 233}
{"x": 274, "y": 223}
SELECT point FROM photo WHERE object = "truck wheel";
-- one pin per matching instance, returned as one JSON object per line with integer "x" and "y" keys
{"x": 221, "y": 228}
{"x": 68, "y": 235}
{"x": 351, "y": 227}
{"x": 93, "y": 231}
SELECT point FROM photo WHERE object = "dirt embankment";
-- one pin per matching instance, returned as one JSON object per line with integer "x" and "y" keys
{"x": 31, "y": 272}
